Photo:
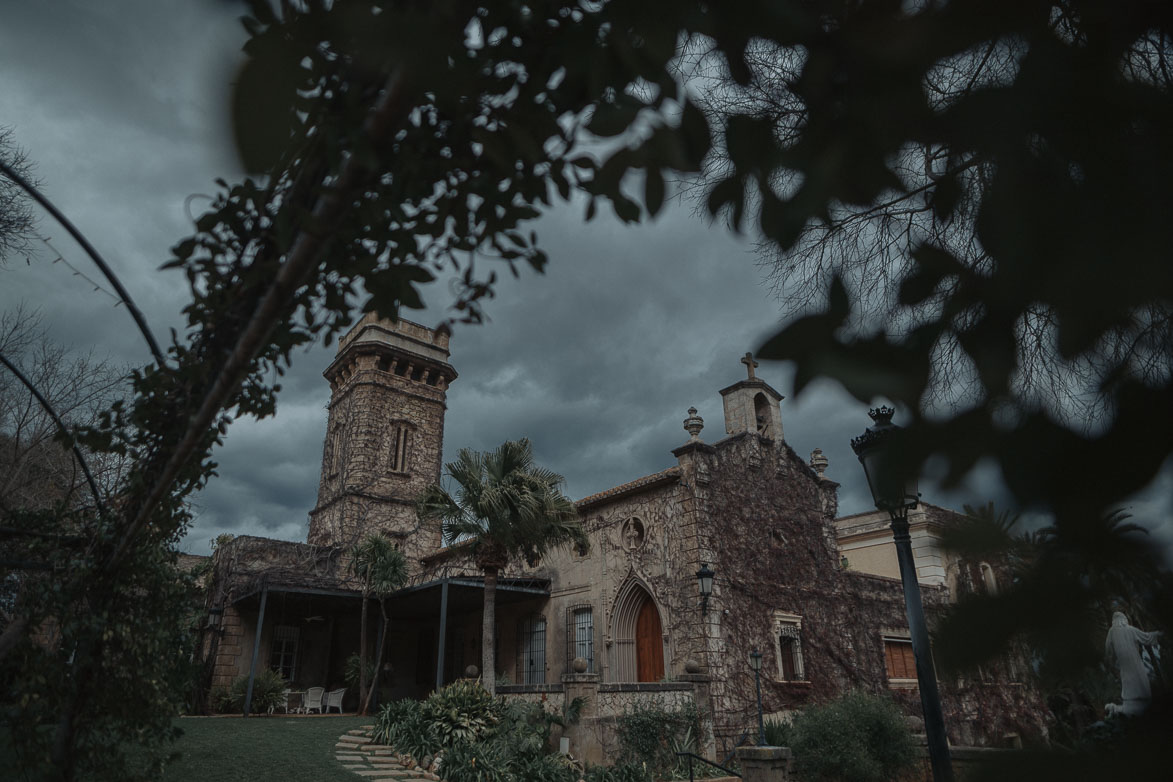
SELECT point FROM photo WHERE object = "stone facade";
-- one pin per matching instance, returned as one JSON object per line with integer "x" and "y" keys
{"x": 747, "y": 506}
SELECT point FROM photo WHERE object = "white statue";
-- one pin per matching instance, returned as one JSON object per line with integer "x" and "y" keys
{"x": 1123, "y": 645}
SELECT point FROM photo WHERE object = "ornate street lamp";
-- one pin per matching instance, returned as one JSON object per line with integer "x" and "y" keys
{"x": 755, "y": 662}
{"x": 894, "y": 489}
{"x": 704, "y": 578}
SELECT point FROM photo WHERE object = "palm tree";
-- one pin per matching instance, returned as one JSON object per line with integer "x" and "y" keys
{"x": 507, "y": 507}
{"x": 382, "y": 569}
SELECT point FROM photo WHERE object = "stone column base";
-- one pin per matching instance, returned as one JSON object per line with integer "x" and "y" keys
{"x": 764, "y": 764}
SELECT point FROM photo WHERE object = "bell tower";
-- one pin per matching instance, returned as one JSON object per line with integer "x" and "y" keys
{"x": 751, "y": 405}
{"x": 384, "y": 434}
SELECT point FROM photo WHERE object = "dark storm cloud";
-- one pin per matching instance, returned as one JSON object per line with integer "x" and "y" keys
{"x": 123, "y": 106}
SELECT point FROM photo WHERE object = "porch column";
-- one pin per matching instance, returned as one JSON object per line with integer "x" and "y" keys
{"x": 443, "y": 634}
{"x": 252, "y": 669}
{"x": 702, "y": 696}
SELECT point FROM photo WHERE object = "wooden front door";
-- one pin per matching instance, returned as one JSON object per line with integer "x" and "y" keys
{"x": 649, "y": 644}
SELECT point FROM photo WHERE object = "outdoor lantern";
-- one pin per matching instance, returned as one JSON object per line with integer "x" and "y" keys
{"x": 214, "y": 616}
{"x": 885, "y": 463}
{"x": 704, "y": 577}
{"x": 755, "y": 662}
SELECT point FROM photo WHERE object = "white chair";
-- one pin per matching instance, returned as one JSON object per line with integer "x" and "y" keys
{"x": 284, "y": 704}
{"x": 313, "y": 699}
{"x": 334, "y": 700}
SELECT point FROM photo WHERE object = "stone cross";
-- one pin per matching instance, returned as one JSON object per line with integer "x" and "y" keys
{"x": 749, "y": 364}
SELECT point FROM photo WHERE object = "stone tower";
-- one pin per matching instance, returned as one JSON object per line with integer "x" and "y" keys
{"x": 384, "y": 436}
{"x": 751, "y": 405}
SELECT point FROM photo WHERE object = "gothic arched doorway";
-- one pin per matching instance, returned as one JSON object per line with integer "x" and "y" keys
{"x": 639, "y": 636}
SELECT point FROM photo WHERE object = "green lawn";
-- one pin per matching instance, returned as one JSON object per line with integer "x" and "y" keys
{"x": 289, "y": 749}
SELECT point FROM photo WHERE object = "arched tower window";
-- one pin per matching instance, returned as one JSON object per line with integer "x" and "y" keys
{"x": 399, "y": 447}
{"x": 639, "y": 636}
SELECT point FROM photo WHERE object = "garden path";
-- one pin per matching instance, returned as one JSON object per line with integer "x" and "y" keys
{"x": 356, "y": 752}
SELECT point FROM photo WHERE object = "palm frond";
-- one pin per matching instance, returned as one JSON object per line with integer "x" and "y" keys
{"x": 503, "y": 502}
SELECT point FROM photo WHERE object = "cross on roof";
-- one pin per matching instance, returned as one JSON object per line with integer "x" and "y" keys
{"x": 749, "y": 364}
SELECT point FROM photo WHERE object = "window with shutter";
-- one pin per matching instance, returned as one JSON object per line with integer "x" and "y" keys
{"x": 900, "y": 660}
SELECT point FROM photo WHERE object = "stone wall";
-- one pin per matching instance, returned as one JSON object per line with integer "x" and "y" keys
{"x": 595, "y": 738}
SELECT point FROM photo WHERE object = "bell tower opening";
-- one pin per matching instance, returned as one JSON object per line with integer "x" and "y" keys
{"x": 751, "y": 405}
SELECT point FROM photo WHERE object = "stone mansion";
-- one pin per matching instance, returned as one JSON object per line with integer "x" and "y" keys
{"x": 818, "y": 595}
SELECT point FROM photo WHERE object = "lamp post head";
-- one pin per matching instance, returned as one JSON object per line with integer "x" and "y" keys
{"x": 704, "y": 578}
{"x": 755, "y": 660}
{"x": 891, "y": 477}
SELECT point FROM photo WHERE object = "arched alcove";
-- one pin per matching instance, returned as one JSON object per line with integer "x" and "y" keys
{"x": 639, "y": 635}
{"x": 989, "y": 580}
{"x": 761, "y": 410}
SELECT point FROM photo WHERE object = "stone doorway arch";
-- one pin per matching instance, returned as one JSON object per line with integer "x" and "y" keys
{"x": 639, "y": 635}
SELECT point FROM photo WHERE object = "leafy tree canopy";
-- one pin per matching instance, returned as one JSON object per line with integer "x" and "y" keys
{"x": 393, "y": 141}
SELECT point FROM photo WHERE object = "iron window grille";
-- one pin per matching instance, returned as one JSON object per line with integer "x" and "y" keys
{"x": 580, "y": 636}
{"x": 531, "y": 650}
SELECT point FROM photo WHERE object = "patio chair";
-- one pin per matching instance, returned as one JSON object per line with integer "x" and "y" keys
{"x": 334, "y": 699}
{"x": 313, "y": 699}
{"x": 284, "y": 703}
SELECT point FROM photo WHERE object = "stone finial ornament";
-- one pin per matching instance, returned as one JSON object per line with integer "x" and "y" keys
{"x": 819, "y": 463}
{"x": 692, "y": 666}
{"x": 580, "y": 665}
{"x": 693, "y": 425}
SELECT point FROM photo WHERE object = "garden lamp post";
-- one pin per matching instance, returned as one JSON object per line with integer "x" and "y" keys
{"x": 755, "y": 662}
{"x": 894, "y": 489}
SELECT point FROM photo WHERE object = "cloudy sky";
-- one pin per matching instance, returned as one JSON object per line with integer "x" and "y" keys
{"x": 123, "y": 106}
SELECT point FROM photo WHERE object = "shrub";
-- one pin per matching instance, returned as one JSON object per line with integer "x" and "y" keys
{"x": 651, "y": 736}
{"x": 402, "y": 725}
{"x": 467, "y": 761}
{"x": 542, "y": 768}
{"x": 391, "y": 714}
{"x": 777, "y": 733}
{"x": 353, "y": 670}
{"x": 625, "y": 772}
{"x": 858, "y": 738}
{"x": 462, "y": 711}
{"x": 268, "y": 692}
{"x": 221, "y": 700}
